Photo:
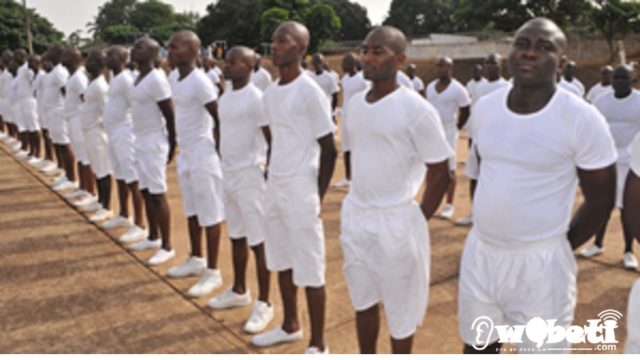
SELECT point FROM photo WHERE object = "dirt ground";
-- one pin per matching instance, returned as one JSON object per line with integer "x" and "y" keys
{"x": 68, "y": 287}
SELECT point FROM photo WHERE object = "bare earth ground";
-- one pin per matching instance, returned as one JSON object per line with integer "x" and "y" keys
{"x": 67, "y": 287}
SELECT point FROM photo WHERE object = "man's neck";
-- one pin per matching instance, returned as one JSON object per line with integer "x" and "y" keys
{"x": 239, "y": 83}
{"x": 145, "y": 68}
{"x": 623, "y": 94}
{"x": 185, "y": 69}
{"x": 289, "y": 73}
{"x": 382, "y": 88}
{"x": 117, "y": 70}
{"x": 530, "y": 99}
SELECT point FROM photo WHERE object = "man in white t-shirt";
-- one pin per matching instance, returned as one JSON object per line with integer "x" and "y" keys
{"x": 630, "y": 217}
{"x": 119, "y": 127}
{"x": 154, "y": 129}
{"x": 29, "y": 111}
{"x": 476, "y": 80}
{"x": 244, "y": 130}
{"x": 452, "y": 101}
{"x": 260, "y": 77}
{"x": 48, "y": 165}
{"x": 325, "y": 80}
{"x": 302, "y": 161}
{"x": 603, "y": 86}
{"x": 569, "y": 81}
{"x": 198, "y": 163}
{"x": 24, "y": 110}
{"x": 36, "y": 87}
{"x": 404, "y": 80}
{"x": 536, "y": 142}
{"x": 621, "y": 108}
{"x": 5, "y": 81}
{"x": 418, "y": 85}
{"x": 384, "y": 233}
{"x": 213, "y": 74}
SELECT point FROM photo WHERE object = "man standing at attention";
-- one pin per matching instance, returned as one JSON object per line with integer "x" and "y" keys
{"x": 302, "y": 162}
{"x": 603, "y": 86}
{"x": 535, "y": 142}
{"x": 384, "y": 233}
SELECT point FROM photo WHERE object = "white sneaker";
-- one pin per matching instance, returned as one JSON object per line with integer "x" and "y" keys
{"x": 447, "y": 211}
{"x": 276, "y": 336}
{"x": 22, "y": 155}
{"x": 342, "y": 183}
{"x": 117, "y": 222}
{"x": 49, "y": 167}
{"x": 465, "y": 221}
{"x": 313, "y": 350}
{"x": 85, "y": 201}
{"x": 17, "y": 146}
{"x": 261, "y": 316}
{"x": 593, "y": 250}
{"x": 90, "y": 208}
{"x": 75, "y": 194}
{"x": 629, "y": 260}
{"x": 53, "y": 171}
{"x": 161, "y": 256}
{"x": 66, "y": 185}
{"x": 210, "y": 280}
{"x": 193, "y": 266}
{"x": 230, "y": 299}
{"x": 34, "y": 161}
{"x": 134, "y": 234}
{"x": 101, "y": 215}
{"x": 59, "y": 180}
{"x": 146, "y": 244}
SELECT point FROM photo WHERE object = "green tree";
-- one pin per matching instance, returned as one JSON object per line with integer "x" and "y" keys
{"x": 614, "y": 19}
{"x": 270, "y": 20}
{"x": 12, "y": 34}
{"x": 323, "y": 25}
{"x": 296, "y": 9}
{"x": 421, "y": 17}
{"x": 353, "y": 17}
{"x": 151, "y": 13}
{"x": 120, "y": 34}
{"x": 113, "y": 12}
{"x": 237, "y": 21}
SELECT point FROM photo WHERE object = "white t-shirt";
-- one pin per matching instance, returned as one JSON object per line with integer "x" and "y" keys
{"x": 634, "y": 150}
{"x": 327, "y": 83}
{"x": 575, "y": 86}
{"x": 528, "y": 169}
{"x": 76, "y": 84}
{"x": 404, "y": 80}
{"x": 5, "y": 83}
{"x": 298, "y": 114}
{"x": 488, "y": 87}
{"x": 95, "y": 97}
{"x": 472, "y": 87}
{"x": 597, "y": 90}
{"x": 194, "y": 125}
{"x": 448, "y": 102}
{"x": 24, "y": 83}
{"x": 53, "y": 82}
{"x": 622, "y": 117}
{"x": 146, "y": 115}
{"x": 242, "y": 116}
{"x": 352, "y": 85}
{"x": 38, "y": 87}
{"x": 261, "y": 79}
{"x": 418, "y": 85}
{"x": 388, "y": 157}
{"x": 117, "y": 110}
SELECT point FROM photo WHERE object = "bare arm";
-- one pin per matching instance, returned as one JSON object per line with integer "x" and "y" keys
{"x": 463, "y": 116}
{"x": 334, "y": 101}
{"x": 212, "y": 108}
{"x": 328, "y": 154}
{"x": 347, "y": 165}
{"x": 438, "y": 179}
{"x": 166, "y": 107}
{"x": 266, "y": 132}
{"x": 631, "y": 210}
{"x": 599, "y": 190}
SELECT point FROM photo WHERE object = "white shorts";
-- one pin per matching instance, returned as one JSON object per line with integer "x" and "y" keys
{"x": 76, "y": 136}
{"x": 452, "y": 139}
{"x": 42, "y": 119}
{"x": 58, "y": 130}
{"x": 97, "y": 150}
{"x": 152, "y": 153}
{"x": 511, "y": 286}
{"x": 122, "y": 154}
{"x": 244, "y": 192}
{"x": 295, "y": 235}
{"x": 201, "y": 188}
{"x": 17, "y": 116}
{"x": 7, "y": 112}
{"x": 386, "y": 259}
{"x": 633, "y": 321}
{"x": 623, "y": 168}
{"x": 28, "y": 114}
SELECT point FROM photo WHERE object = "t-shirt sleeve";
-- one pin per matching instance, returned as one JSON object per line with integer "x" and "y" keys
{"x": 463, "y": 98}
{"x": 427, "y": 136}
{"x": 205, "y": 93}
{"x": 259, "y": 112}
{"x": 594, "y": 145}
{"x": 61, "y": 78}
{"x": 318, "y": 114}
{"x": 160, "y": 89}
{"x": 634, "y": 150}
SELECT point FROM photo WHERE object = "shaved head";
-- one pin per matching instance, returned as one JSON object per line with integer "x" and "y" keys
{"x": 55, "y": 53}
{"x": 145, "y": 50}
{"x": 189, "y": 38}
{"x": 119, "y": 52}
{"x": 390, "y": 37}
{"x": 547, "y": 27}
{"x": 444, "y": 61}
{"x": 243, "y": 54}
{"x": 297, "y": 31}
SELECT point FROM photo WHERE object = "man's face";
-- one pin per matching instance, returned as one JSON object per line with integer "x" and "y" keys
{"x": 536, "y": 56}
{"x": 19, "y": 57}
{"x": 34, "y": 64}
{"x": 284, "y": 48}
{"x": 113, "y": 60}
{"x": 380, "y": 61}
{"x": 622, "y": 81}
{"x": 443, "y": 69}
{"x": 493, "y": 68}
{"x": 93, "y": 65}
{"x": 606, "y": 75}
{"x": 140, "y": 53}
{"x": 348, "y": 64}
{"x": 67, "y": 59}
{"x": 234, "y": 67}
{"x": 411, "y": 71}
{"x": 179, "y": 52}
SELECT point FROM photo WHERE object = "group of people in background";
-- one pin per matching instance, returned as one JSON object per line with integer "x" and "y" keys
{"x": 260, "y": 155}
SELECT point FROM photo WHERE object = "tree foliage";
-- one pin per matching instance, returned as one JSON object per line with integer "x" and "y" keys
{"x": 323, "y": 24}
{"x": 12, "y": 28}
{"x": 113, "y": 12}
{"x": 353, "y": 17}
{"x": 614, "y": 19}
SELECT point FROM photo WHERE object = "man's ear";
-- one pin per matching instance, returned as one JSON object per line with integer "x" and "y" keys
{"x": 400, "y": 58}
{"x": 563, "y": 60}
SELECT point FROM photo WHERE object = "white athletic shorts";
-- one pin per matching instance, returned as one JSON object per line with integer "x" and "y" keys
{"x": 623, "y": 166}
{"x": 633, "y": 321}
{"x": 27, "y": 111}
{"x": 201, "y": 186}
{"x": 17, "y": 116}
{"x": 386, "y": 260}
{"x": 97, "y": 150}
{"x": 122, "y": 154}
{"x": 76, "y": 136}
{"x": 244, "y": 192}
{"x": 58, "y": 130}
{"x": 295, "y": 235}
{"x": 7, "y": 112}
{"x": 512, "y": 285}
{"x": 452, "y": 139}
{"x": 152, "y": 153}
